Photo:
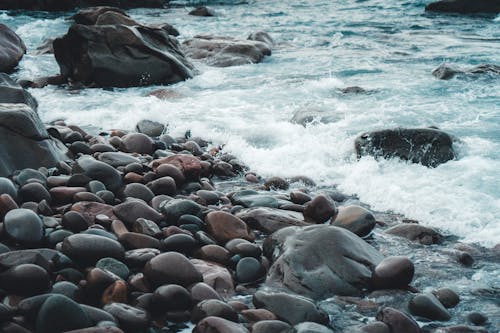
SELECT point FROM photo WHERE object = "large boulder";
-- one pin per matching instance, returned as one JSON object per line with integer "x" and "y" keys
{"x": 12, "y": 48}
{"x": 120, "y": 56}
{"x": 23, "y": 131}
{"x": 12, "y": 92}
{"x": 321, "y": 260}
{"x": 226, "y": 51}
{"x": 465, "y": 6}
{"x": 427, "y": 146}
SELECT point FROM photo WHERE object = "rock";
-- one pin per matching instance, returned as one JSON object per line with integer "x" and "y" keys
{"x": 218, "y": 325}
{"x": 12, "y": 92}
{"x": 223, "y": 227}
{"x": 60, "y": 314}
{"x": 427, "y": 146}
{"x": 243, "y": 248}
{"x": 307, "y": 327}
{"x": 88, "y": 249}
{"x": 164, "y": 185}
{"x": 114, "y": 266}
{"x": 464, "y": 6}
{"x": 150, "y": 128}
{"x": 7, "y": 204}
{"x": 447, "y": 297}
{"x": 202, "y": 11}
{"x": 133, "y": 240}
{"x": 90, "y": 210}
{"x": 50, "y": 5}
{"x": 139, "y": 257}
{"x": 137, "y": 143}
{"x": 276, "y": 183}
{"x": 25, "y": 280}
{"x": 397, "y": 321}
{"x": 116, "y": 159}
{"x": 74, "y": 222}
{"x": 89, "y": 16}
{"x": 375, "y": 327}
{"x": 131, "y": 210}
{"x": 23, "y": 226}
{"x": 321, "y": 260}
{"x": 115, "y": 48}
{"x": 290, "y": 308}
{"x": 320, "y": 209}
{"x": 174, "y": 209}
{"x": 159, "y": 270}
{"x": 270, "y": 326}
{"x": 213, "y": 307}
{"x": 216, "y": 276}
{"x": 355, "y": 219}
{"x": 171, "y": 297}
{"x": 201, "y": 291}
{"x": 189, "y": 165}
{"x": 393, "y": 273}
{"x": 62, "y": 195}
{"x": 25, "y": 132}
{"x": 446, "y": 72}
{"x": 34, "y": 192}
{"x": 428, "y": 306}
{"x": 170, "y": 170}
{"x": 131, "y": 319}
{"x": 262, "y": 36}
{"x": 477, "y": 318}
{"x": 270, "y": 220}
{"x": 416, "y": 233}
{"x": 12, "y": 48}
{"x": 138, "y": 191}
{"x": 461, "y": 329}
{"x": 97, "y": 170}
{"x": 225, "y": 51}
{"x": 249, "y": 270}
{"x": 255, "y": 315}
{"x": 250, "y": 198}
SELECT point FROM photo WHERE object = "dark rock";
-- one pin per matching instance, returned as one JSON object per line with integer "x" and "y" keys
{"x": 189, "y": 165}
{"x": 397, "y": 321}
{"x": 416, "y": 233}
{"x": 97, "y": 170}
{"x": 61, "y": 314}
{"x": 375, "y": 327}
{"x": 243, "y": 248}
{"x": 202, "y": 11}
{"x": 224, "y": 227}
{"x": 146, "y": 227}
{"x": 201, "y": 291}
{"x": 352, "y": 90}
{"x": 88, "y": 249}
{"x": 320, "y": 209}
{"x": 249, "y": 270}
{"x": 218, "y": 325}
{"x": 66, "y": 288}
{"x": 262, "y": 36}
{"x": 214, "y": 253}
{"x": 427, "y": 146}
{"x": 114, "y": 266}
{"x": 34, "y": 192}
{"x": 130, "y": 211}
{"x": 137, "y": 143}
{"x": 225, "y": 51}
{"x": 149, "y": 55}
{"x": 25, "y": 280}
{"x": 447, "y": 297}
{"x": 428, "y": 306}
{"x": 171, "y": 171}
{"x": 462, "y": 329}
{"x": 171, "y": 297}
{"x": 133, "y": 240}
{"x": 250, "y": 198}
{"x": 138, "y": 191}
{"x": 446, "y": 72}
{"x": 477, "y": 318}
{"x": 7, "y": 204}
{"x": 131, "y": 319}
{"x": 13, "y": 49}
{"x": 25, "y": 132}
{"x": 116, "y": 159}
{"x": 23, "y": 226}
{"x": 213, "y": 307}
{"x": 164, "y": 185}
{"x": 139, "y": 257}
{"x": 174, "y": 209}
{"x": 308, "y": 327}
{"x": 12, "y": 92}
{"x": 150, "y": 128}
{"x": 290, "y": 308}
{"x": 159, "y": 270}
{"x": 464, "y": 6}
{"x": 393, "y": 273}
{"x": 321, "y": 260}
{"x": 270, "y": 220}
{"x": 355, "y": 219}
{"x": 74, "y": 221}
{"x": 276, "y": 183}
{"x": 271, "y": 326}
{"x": 216, "y": 276}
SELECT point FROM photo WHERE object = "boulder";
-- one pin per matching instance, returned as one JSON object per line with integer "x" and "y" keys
{"x": 221, "y": 51}
{"x": 12, "y": 48}
{"x": 23, "y": 131}
{"x": 446, "y": 72}
{"x": 427, "y": 146}
{"x": 12, "y": 92}
{"x": 465, "y": 6}
{"x": 202, "y": 11}
{"x": 321, "y": 260}
{"x": 121, "y": 56}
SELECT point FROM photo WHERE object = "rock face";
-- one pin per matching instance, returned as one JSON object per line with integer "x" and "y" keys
{"x": 23, "y": 131}
{"x": 226, "y": 51}
{"x": 120, "y": 56}
{"x": 12, "y": 92}
{"x": 12, "y": 49}
{"x": 427, "y": 146}
{"x": 465, "y": 6}
{"x": 321, "y": 260}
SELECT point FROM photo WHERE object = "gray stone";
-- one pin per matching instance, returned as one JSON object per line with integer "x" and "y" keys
{"x": 12, "y": 49}
{"x": 356, "y": 219}
{"x": 24, "y": 227}
{"x": 428, "y": 306}
{"x": 12, "y": 92}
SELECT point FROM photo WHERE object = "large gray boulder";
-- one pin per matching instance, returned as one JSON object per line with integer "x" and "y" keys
{"x": 465, "y": 6}
{"x": 12, "y": 48}
{"x": 427, "y": 146}
{"x": 12, "y": 92}
{"x": 24, "y": 142}
{"x": 120, "y": 56}
{"x": 321, "y": 260}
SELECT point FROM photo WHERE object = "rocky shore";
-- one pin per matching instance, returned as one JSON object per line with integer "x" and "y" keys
{"x": 139, "y": 231}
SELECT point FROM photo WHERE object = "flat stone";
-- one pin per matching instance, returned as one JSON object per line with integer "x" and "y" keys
{"x": 88, "y": 249}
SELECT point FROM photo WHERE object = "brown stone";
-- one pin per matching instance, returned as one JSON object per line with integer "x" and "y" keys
{"x": 416, "y": 233}
{"x": 6, "y": 204}
{"x": 189, "y": 165}
{"x": 202, "y": 291}
{"x": 117, "y": 292}
{"x": 214, "y": 253}
{"x": 137, "y": 143}
{"x": 270, "y": 220}
{"x": 356, "y": 219}
{"x": 91, "y": 209}
{"x": 63, "y": 194}
{"x": 223, "y": 227}
{"x": 218, "y": 325}
{"x": 133, "y": 240}
{"x": 393, "y": 273}
{"x": 254, "y": 315}
{"x": 216, "y": 276}
{"x": 171, "y": 268}
{"x": 173, "y": 171}
{"x": 320, "y": 209}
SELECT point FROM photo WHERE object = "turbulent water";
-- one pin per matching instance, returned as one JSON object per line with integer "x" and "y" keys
{"x": 388, "y": 47}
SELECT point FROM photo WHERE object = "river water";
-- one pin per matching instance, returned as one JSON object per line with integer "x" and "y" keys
{"x": 388, "y": 47}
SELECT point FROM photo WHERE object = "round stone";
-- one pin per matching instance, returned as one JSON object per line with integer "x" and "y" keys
{"x": 320, "y": 209}
{"x": 171, "y": 268}
{"x": 393, "y": 273}
{"x": 24, "y": 227}
{"x": 88, "y": 249}
{"x": 139, "y": 191}
{"x": 34, "y": 192}
{"x": 25, "y": 280}
{"x": 428, "y": 306}
{"x": 60, "y": 314}
{"x": 131, "y": 319}
{"x": 114, "y": 266}
{"x": 213, "y": 307}
{"x": 74, "y": 221}
{"x": 171, "y": 297}
{"x": 447, "y": 297}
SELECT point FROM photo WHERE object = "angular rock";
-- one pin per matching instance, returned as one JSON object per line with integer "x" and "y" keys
{"x": 464, "y": 6}
{"x": 356, "y": 219}
{"x": 12, "y": 48}
{"x": 171, "y": 268}
{"x": 121, "y": 56}
{"x": 427, "y": 146}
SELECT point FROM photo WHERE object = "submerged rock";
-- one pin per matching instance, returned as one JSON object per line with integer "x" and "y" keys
{"x": 446, "y": 72}
{"x": 121, "y": 56}
{"x": 427, "y": 146}
{"x": 465, "y": 6}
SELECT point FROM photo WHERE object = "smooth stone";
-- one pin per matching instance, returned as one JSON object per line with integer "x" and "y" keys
{"x": 159, "y": 270}
{"x": 180, "y": 243}
{"x": 223, "y": 227}
{"x": 464, "y": 6}
{"x": 255, "y": 315}
{"x": 289, "y": 308}
{"x": 397, "y": 321}
{"x": 174, "y": 209}
{"x": 74, "y": 222}
{"x": 164, "y": 185}
{"x": 88, "y": 249}
{"x": 23, "y": 226}
{"x": 462, "y": 329}
{"x": 477, "y": 318}
{"x": 139, "y": 257}
{"x": 137, "y": 143}
{"x": 300, "y": 198}
{"x": 447, "y": 297}
{"x": 47, "y": 258}
{"x": 130, "y": 211}
{"x": 356, "y": 219}
{"x": 25, "y": 280}
{"x": 67, "y": 289}
{"x": 138, "y": 191}
{"x": 7, "y": 187}
{"x": 97, "y": 315}
{"x": 250, "y": 198}
{"x": 202, "y": 11}
{"x": 270, "y": 220}
{"x": 146, "y": 227}
{"x": 133, "y": 240}
{"x": 62, "y": 195}
{"x": 131, "y": 319}
{"x": 307, "y": 327}
{"x": 34, "y": 192}
{"x": 60, "y": 314}
{"x": 150, "y": 128}
{"x": 243, "y": 248}
{"x": 169, "y": 170}
{"x": 271, "y": 326}
{"x": 276, "y": 183}
{"x": 216, "y": 276}
{"x": 249, "y": 270}
{"x": 86, "y": 196}
{"x": 115, "y": 266}
{"x": 117, "y": 159}
{"x": 13, "y": 49}
{"x": 171, "y": 297}
{"x": 393, "y": 273}
{"x": 213, "y": 307}
{"x": 218, "y": 325}
{"x": 98, "y": 170}
{"x": 416, "y": 233}
{"x": 320, "y": 209}
{"x": 7, "y": 204}
{"x": 375, "y": 327}
{"x": 213, "y": 253}
{"x": 28, "y": 174}
{"x": 428, "y": 306}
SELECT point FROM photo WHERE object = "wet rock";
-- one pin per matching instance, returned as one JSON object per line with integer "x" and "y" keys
{"x": 224, "y": 227}
{"x": 262, "y": 36}
{"x": 163, "y": 185}
{"x": 138, "y": 191}
{"x": 146, "y": 64}
{"x": 355, "y": 219}
{"x": 62, "y": 195}
{"x": 216, "y": 276}
{"x": 13, "y": 49}
{"x": 249, "y": 270}
{"x": 25, "y": 280}
{"x": 393, "y": 273}
{"x": 34, "y": 192}
{"x": 320, "y": 209}
{"x": 130, "y": 211}
{"x": 213, "y": 253}
{"x": 427, "y": 146}
{"x": 114, "y": 266}
{"x": 447, "y": 297}
{"x": 290, "y": 308}
{"x": 74, "y": 221}
{"x": 464, "y": 6}
{"x": 375, "y": 327}
{"x": 60, "y": 314}
{"x": 171, "y": 297}
{"x": 321, "y": 260}
{"x": 397, "y": 321}
{"x": 133, "y": 240}
{"x": 270, "y": 220}
{"x": 225, "y": 51}
{"x": 23, "y": 226}
{"x": 201, "y": 291}
{"x": 428, "y": 306}
{"x": 446, "y": 72}
{"x": 159, "y": 270}
{"x": 270, "y": 326}
{"x": 25, "y": 132}
{"x": 101, "y": 171}
{"x": 461, "y": 329}
{"x": 311, "y": 328}
{"x": 250, "y": 198}
{"x": 189, "y": 165}
{"x": 416, "y": 233}
{"x": 218, "y": 325}
{"x": 88, "y": 249}
{"x": 137, "y": 143}
{"x": 7, "y": 204}
{"x": 174, "y": 209}
{"x": 116, "y": 159}
{"x": 150, "y": 128}
{"x": 131, "y": 319}
{"x": 202, "y": 11}
{"x": 12, "y": 92}
{"x": 89, "y": 16}
{"x": 477, "y": 318}
{"x": 139, "y": 257}
{"x": 91, "y": 210}
{"x": 213, "y": 307}
{"x": 146, "y": 227}
{"x": 255, "y": 315}
{"x": 276, "y": 183}
{"x": 243, "y": 248}
{"x": 170, "y": 170}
